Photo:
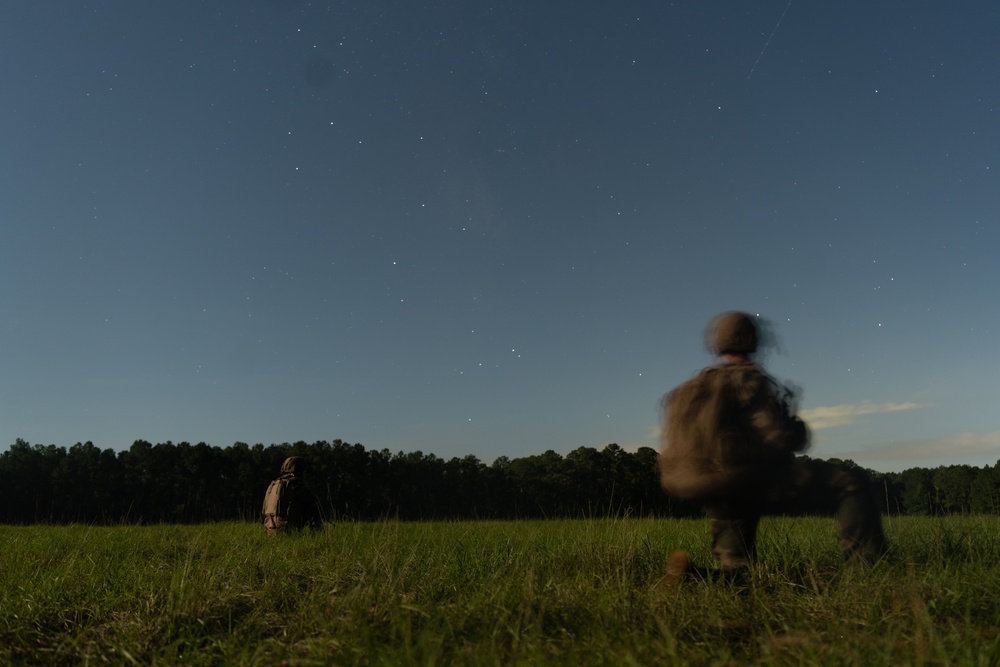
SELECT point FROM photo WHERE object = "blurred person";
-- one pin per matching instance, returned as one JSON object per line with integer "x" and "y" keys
{"x": 288, "y": 502}
{"x": 729, "y": 439}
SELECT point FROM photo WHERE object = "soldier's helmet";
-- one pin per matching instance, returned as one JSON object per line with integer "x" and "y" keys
{"x": 295, "y": 465}
{"x": 732, "y": 332}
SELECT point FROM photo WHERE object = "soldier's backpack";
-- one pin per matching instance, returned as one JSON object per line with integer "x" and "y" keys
{"x": 710, "y": 445}
{"x": 274, "y": 513}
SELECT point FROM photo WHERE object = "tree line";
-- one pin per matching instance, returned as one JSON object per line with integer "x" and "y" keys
{"x": 185, "y": 483}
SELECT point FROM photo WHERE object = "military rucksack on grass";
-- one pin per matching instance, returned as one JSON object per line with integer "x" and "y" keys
{"x": 276, "y": 501}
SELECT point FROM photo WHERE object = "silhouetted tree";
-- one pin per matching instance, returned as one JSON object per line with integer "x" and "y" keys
{"x": 984, "y": 491}
{"x": 951, "y": 487}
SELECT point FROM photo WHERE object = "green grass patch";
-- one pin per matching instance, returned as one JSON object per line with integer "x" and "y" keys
{"x": 579, "y": 592}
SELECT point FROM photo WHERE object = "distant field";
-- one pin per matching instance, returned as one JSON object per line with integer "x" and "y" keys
{"x": 576, "y": 592}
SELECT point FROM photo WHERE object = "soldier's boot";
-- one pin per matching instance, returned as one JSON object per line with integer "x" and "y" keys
{"x": 678, "y": 565}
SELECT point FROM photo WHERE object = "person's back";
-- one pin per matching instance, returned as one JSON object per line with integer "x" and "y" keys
{"x": 288, "y": 502}
{"x": 723, "y": 428}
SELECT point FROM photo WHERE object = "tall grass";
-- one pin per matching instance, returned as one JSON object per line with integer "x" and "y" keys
{"x": 580, "y": 592}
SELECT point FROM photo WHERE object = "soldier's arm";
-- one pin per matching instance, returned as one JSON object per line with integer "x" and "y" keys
{"x": 774, "y": 422}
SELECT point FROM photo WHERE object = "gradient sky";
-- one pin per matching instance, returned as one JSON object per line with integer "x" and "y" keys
{"x": 495, "y": 228}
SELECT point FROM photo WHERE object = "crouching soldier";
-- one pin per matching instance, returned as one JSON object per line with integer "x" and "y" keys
{"x": 729, "y": 441}
{"x": 288, "y": 502}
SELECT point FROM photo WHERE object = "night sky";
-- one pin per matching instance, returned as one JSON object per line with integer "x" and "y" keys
{"x": 496, "y": 228}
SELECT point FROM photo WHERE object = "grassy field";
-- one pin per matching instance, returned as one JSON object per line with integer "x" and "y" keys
{"x": 507, "y": 593}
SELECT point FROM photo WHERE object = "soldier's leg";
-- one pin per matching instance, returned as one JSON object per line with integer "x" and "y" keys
{"x": 822, "y": 486}
{"x": 734, "y": 535}
{"x": 734, "y": 545}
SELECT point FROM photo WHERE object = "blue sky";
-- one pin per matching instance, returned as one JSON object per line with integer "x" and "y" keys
{"x": 495, "y": 229}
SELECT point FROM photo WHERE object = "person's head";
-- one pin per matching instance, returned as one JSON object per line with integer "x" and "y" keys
{"x": 732, "y": 333}
{"x": 296, "y": 465}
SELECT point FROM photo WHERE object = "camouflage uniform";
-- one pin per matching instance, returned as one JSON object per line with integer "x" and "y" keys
{"x": 729, "y": 441}
{"x": 288, "y": 502}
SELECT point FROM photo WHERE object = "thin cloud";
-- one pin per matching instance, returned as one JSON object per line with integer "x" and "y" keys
{"x": 843, "y": 415}
{"x": 953, "y": 447}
